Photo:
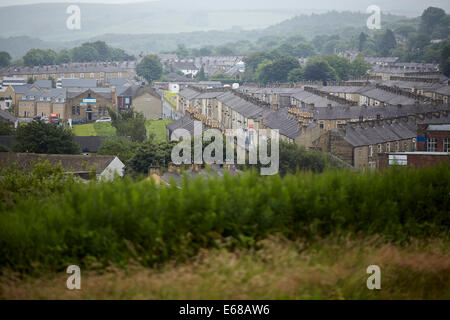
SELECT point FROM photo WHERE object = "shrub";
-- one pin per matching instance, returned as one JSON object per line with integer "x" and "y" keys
{"x": 114, "y": 222}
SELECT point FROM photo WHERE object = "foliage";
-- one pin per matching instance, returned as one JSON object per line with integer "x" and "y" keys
{"x": 46, "y": 138}
{"x": 150, "y": 153}
{"x": 39, "y": 57}
{"x": 150, "y": 68}
{"x": 121, "y": 221}
{"x": 6, "y": 128}
{"x": 41, "y": 181}
{"x": 120, "y": 147}
{"x": 5, "y": 59}
{"x": 318, "y": 69}
{"x": 129, "y": 123}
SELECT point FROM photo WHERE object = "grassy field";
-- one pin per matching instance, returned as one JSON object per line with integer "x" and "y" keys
{"x": 157, "y": 127}
{"x": 280, "y": 269}
{"x": 104, "y": 129}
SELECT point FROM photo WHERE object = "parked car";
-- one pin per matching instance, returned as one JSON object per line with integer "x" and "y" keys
{"x": 36, "y": 118}
{"x": 45, "y": 119}
{"x": 78, "y": 121}
{"x": 104, "y": 119}
{"x": 54, "y": 118}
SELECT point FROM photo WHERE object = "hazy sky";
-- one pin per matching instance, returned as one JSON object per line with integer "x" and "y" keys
{"x": 19, "y": 2}
{"x": 414, "y": 7}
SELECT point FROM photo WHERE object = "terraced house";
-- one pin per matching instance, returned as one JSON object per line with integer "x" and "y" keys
{"x": 360, "y": 144}
{"x": 103, "y": 72}
{"x": 231, "y": 109}
{"x": 35, "y": 101}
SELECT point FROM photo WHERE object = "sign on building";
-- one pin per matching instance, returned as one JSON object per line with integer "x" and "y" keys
{"x": 89, "y": 100}
{"x": 399, "y": 160}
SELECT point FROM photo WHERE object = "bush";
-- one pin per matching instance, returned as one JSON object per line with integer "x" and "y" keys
{"x": 114, "y": 222}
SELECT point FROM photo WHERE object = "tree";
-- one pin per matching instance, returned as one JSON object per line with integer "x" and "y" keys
{"x": 362, "y": 41}
{"x": 445, "y": 60}
{"x": 201, "y": 74}
{"x": 39, "y": 57}
{"x": 63, "y": 57}
{"x": 319, "y": 69}
{"x": 296, "y": 75}
{"x": 120, "y": 147}
{"x": 340, "y": 64}
{"x": 304, "y": 50}
{"x": 85, "y": 53}
{"x": 182, "y": 51}
{"x": 387, "y": 42}
{"x": 6, "y": 128}
{"x": 46, "y": 138}
{"x": 129, "y": 123}
{"x": 359, "y": 67}
{"x": 5, "y": 59}
{"x": 278, "y": 70}
{"x": 150, "y": 153}
{"x": 150, "y": 68}
{"x": 431, "y": 18}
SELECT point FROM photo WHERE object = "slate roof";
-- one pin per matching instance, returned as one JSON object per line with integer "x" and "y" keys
{"x": 75, "y": 92}
{"x": 85, "y": 67}
{"x": 240, "y": 105}
{"x": 78, "y": 83}
{"x": 376, "y": 132}
{"x": 188, "y": 93}
{"x": 6, "y": 116}
{"x": 286, "y": 125}
{"x": 70, "y": 163}
{"x": 47, "y": 84}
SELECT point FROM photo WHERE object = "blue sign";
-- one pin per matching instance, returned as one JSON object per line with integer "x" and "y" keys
{"x": 420, "y": 139}
{"x": 89, "y": 100}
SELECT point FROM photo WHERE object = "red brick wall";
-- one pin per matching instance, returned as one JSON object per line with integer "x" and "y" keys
{"x": 415, "y": 160}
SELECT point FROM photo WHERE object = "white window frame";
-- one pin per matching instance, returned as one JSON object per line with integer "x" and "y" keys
{"x": 431, "y": 144}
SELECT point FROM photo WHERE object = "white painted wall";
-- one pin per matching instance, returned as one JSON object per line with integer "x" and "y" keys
{"x": 115, "y": 167}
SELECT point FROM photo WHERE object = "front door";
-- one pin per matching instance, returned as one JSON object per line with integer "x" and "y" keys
{"x": 89, "y": 113}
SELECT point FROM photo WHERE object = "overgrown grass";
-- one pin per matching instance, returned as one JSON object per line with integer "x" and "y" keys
{"x": 158, "y": 128}
{"x": 122, "y": 221}
{"x": 279, "y": 269}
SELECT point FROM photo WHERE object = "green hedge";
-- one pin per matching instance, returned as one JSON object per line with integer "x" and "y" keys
{"x": 117, "y": 221}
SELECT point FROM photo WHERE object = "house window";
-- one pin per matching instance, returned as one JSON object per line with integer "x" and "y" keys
{"x": 380, "y": 149}
{"x": 321, "y": 125}
{"x": 370, "y": 151}
{"x": 431, "y": 145}
{"x": 388, "y": 147}
{"x": 73, "y": 110}
{"x": 92, "y": 75}
{"x": 72, "y": 75}
{"x": 78, "y": 110}
{"x": 446, "y": 145}
{"x": 405, "y": 147}
{"x": 397, "y": 146}
{"x": 414, "y": 144}
{"x": 82, "y": 75}
{"x": 360, "y": 153}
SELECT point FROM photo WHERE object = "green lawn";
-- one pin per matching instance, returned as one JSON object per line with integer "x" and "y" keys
{"x": 157, "y": 127}
{"x": 103, "y": 129}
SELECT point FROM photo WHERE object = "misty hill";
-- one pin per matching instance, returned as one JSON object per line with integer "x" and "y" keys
{"x": 343, "y": 23}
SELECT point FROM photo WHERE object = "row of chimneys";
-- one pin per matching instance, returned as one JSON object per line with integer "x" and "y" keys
{"x": 401, "y": 92}
{"x": 331, "y": 97}
{"x": 389, "y": 121}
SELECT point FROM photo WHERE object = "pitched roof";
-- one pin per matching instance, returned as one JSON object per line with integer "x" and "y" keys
{"x": 6, "y": 116}
{"x": 78, "y": 83}
{"x": 70, "y": 163}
